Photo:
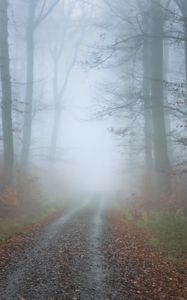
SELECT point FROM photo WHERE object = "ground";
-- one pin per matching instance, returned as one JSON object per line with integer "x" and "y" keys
{"x": 88, "y": 253}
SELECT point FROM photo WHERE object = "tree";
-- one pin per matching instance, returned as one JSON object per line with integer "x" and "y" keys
{"x": 157, "y": 96}
{"x": 147, "y": 103}
{"x": 6, "y": 95}
{"x": 182, "y": 4}
{"x": 32, "y": 25}
{"x": 150, "y": 33}
{"x": 60, "y": 88}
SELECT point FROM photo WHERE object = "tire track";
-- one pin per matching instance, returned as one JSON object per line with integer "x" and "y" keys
{"x": 67, "y": 262}
{"x": 95, "y": 278}
{"x": 24, "y": 272}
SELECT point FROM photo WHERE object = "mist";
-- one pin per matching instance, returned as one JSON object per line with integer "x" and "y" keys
{"x": 93, "y": 130}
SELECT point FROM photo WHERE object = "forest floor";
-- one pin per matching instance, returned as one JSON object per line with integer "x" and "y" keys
{"x": 18, "y": 218}
{"x": 88, "y": 253}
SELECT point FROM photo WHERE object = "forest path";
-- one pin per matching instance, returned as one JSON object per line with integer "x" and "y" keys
{"x": 91, "y": 253}
{"x": 65, "y": 262}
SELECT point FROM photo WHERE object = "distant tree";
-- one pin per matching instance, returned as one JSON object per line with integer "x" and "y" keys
{"x": 34, "y": 20}
{"x": 182, "y": 4}
{"x": 157, "y": 96}
{"x": 146, "y": 37}
{"x": 57, "y": 51}
{"x": 6, "y": 95}
{"x": 148, "y": 128}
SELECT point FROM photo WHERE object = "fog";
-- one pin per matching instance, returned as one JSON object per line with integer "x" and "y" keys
{"x": 93, "y": 168}
{"x": 87, "y": 107}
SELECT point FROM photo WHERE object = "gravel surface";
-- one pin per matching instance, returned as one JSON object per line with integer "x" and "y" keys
{"x": 90, "y": 253}
{"x": 66, "y": 261}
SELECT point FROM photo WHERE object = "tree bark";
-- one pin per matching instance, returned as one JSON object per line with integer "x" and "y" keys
{"x": 183, "y": 8}
{"x": 27, "y": 127}
{"x": 182, "y": 4}
{"x": 6, "y": 95}
{"x": 157, "y": 91}
{"x": 147, "y": 109}
{"x": 185, "y": 40}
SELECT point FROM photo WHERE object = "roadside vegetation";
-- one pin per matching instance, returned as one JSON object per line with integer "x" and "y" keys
{"x": 166, "y": 227}
{"x": 169, "y": 233}
{"x": 24, "y": 205}
{"x": 16, "y": 221}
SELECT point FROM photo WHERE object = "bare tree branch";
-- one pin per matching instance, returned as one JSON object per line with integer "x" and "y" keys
{"x": 41, "y": 17}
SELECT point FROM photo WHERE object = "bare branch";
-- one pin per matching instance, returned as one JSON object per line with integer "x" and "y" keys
{"x": 43, "y": 16}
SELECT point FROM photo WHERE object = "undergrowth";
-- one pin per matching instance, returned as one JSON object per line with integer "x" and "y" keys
{"x": 12, "y": 223}
{"x": 169, "y": 232}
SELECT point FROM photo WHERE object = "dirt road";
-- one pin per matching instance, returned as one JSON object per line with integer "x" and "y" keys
{"x": 66, "y": 261}
{"x": 90, "y": 253}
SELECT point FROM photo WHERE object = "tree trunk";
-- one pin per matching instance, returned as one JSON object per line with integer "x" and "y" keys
{"x": 184, "y": 14}
{"x": 166, "y": 102}
{"x": 185, "y": 48}
{"x": 6, "y": 95}
{"x": 182, "y": 4}
{"x": 147, "y": 110}
{"x": 157, "y": 91}
{"x": 57, "y": 113}
{"x": 27, "y": 127}
{"x": 55, "y": 134}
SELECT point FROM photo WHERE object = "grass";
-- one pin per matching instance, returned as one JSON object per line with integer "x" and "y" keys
{"x": 8, "y": 227}
{"x": 16, "y": 218}
{"x": 169, "y": 232}
{"x": 21, "y": 218}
